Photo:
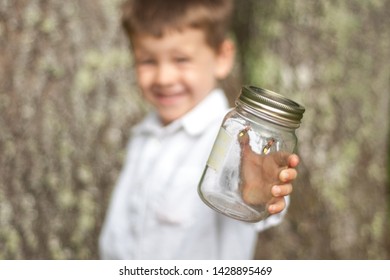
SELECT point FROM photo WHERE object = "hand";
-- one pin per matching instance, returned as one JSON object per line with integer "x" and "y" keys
{"x": 266, "y": 179}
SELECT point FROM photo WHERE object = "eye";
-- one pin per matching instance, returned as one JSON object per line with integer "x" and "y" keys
{"x": 182, "y": 59}
{"x": 146, "y": 61}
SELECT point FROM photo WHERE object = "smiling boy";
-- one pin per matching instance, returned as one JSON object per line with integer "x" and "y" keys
{"x": 181, "y": 51}
{"x": 177, "y": 71}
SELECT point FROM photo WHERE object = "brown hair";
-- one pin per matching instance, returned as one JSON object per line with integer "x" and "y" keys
{"x": 154, "y": 17}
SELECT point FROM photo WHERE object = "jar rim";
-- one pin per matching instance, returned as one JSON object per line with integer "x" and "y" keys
{"x": 278, "y": 108}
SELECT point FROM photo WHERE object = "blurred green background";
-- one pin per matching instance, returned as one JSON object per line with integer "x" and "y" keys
{"x": 68, "y": 101}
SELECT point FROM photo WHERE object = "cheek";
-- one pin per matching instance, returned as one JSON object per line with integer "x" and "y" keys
{"x": 201, "y": 77}
{"x": 144, "y": 84}
{"x": 143, "y": 77}
{"x": 205, "y": 80}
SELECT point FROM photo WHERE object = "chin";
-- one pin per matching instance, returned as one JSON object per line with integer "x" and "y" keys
{"x": 168, "y": 118}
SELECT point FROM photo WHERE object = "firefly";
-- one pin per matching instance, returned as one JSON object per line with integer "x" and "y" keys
{"x": 244, "y": 131}
{"x": 267, "y": 147}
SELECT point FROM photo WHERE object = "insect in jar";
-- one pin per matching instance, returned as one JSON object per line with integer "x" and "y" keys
{"x": 267, "y": 147}
{"x": 244, "y": 131}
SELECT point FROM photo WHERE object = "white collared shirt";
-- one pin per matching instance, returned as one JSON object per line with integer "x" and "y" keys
{"x": 155, "y": 210}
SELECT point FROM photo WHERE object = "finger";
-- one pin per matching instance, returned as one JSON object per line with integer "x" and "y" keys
{"x": 243, "y": 137}
{"x": 287, "y": 175}
{"x": 293, "y": 160}
{"x": 277, "y": 206}
{"x": 282, "y": 190}
{"x": 281, "y": 158}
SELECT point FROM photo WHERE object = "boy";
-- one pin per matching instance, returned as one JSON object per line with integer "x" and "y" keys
{"x": 181, "y": 51}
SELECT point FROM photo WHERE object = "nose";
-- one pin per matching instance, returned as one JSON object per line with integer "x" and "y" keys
{"x": 166, "y": 74}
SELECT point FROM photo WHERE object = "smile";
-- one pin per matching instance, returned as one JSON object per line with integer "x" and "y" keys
{"x": 169, "y": 99}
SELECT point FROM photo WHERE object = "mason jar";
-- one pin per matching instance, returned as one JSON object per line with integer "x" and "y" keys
{"x": 264, "y": 123}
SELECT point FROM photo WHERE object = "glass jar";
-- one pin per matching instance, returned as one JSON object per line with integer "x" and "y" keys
{"x": 262, "y": 125}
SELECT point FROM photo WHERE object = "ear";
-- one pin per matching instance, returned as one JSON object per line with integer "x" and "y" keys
{"x": 225, "y": 59}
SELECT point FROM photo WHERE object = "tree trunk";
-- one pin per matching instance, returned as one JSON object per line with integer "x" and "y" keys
{"x": 67, "y": 103}
{"x": 332, "y": 57}
{"x": 66, "y": 106}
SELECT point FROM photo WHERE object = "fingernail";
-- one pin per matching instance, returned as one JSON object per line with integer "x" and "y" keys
{"x": 284, "y": 176}
{"x": 276, "y": 190}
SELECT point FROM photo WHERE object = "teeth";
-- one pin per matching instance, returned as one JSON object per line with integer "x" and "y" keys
{"x": 169, "y": 94}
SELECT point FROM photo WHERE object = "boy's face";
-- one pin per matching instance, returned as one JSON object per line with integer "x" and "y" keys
{"x": 178, "y": 70}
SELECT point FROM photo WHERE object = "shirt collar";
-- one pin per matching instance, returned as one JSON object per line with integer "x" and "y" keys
{"x": 199, "y": 118}
{"x": 194, "y": 122}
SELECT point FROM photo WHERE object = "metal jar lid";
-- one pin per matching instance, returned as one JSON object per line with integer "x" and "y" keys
{"x": 272, "y": 106}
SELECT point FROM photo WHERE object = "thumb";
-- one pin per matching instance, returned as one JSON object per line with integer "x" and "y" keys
{"x": 243, "y": 140}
